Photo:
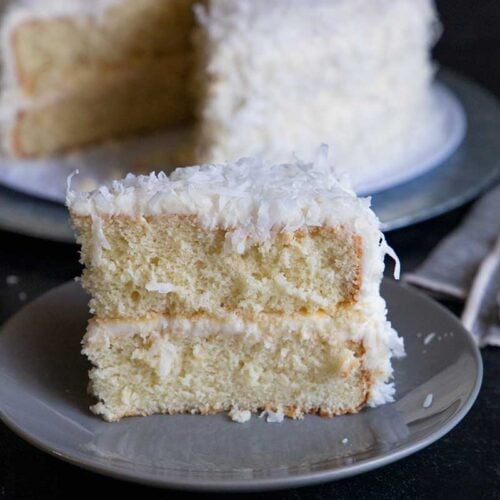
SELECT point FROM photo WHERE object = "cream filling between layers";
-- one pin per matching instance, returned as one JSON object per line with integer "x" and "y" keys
{"x": 363, "y": 323}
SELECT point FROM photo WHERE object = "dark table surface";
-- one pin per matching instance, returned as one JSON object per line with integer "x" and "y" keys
{"x": 463, "y": 464}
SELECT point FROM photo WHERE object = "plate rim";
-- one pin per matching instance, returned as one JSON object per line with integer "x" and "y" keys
{"x": 262, "y": 484}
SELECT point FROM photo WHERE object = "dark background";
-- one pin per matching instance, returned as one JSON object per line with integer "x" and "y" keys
{"x": 463, "y": 464}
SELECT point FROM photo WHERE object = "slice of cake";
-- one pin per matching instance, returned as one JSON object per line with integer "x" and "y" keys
{"x": 239, "y": 286}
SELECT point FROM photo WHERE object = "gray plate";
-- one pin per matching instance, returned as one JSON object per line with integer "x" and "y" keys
{"x": 43, "y": 399}
{"x": 471, "y": 169}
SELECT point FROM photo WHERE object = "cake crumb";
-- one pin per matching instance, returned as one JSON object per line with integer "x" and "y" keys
{"x": 22, "y": 296}
{"x": 428, "y": 400}
{"x": 240, "y": 416}
{"x": 12, "y": 279}
{"x": 273, "y": 417}
{"x": 429, "y": 338}
{"x": 163, "y": 288}
{"x": 345, "y": 441}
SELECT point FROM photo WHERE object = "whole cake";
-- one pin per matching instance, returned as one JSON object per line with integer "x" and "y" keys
{"x": 252, "y": 77}
{"x": 279, "y": 77}
{"x": 234, "y": 287}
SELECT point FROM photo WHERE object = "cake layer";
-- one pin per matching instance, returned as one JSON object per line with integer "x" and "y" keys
{"x": 298, "y": 363}
{"x": 173, "y": 265}
{"x": 46, "y": 45}
{"x": 141, "y": 96}
{"x": 245, "y": 236}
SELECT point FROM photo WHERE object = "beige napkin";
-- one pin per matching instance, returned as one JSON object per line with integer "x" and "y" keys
{"x": 466, "y": 266}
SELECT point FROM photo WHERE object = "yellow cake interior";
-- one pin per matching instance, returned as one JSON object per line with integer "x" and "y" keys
{"x": 173, "y": 265}
{"x": 142, "y": 96}
{"x": 68, "y": 51}
{"x": 83, "y": 79}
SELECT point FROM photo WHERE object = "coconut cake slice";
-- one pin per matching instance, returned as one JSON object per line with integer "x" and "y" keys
{"x": 239, "y": 286}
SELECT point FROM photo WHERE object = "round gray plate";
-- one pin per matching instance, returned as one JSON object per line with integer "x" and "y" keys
{"x": 43, "y": 399}
{"x": 473, "y": 167}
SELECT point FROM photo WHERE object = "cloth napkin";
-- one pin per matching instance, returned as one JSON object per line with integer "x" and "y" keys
{"x": 466, "y": 266}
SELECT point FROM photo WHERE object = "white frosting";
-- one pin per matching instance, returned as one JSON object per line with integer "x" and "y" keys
{"x": 104, "y": 331}
{"x": 355, "y": 74}
{"x": 250, "y": 198}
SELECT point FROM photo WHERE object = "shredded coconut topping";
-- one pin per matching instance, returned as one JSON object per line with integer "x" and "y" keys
{"x": 428, "y": 400}
{"x": 250, "y": 198}
{"x": 154, "y": 286}
{"x": 392, "y": 254}
{"x": 273, "y": 417}
{"x": 240, "y": 416}
{"x": 429, "y": 338}
{"x": 380, "y": 106}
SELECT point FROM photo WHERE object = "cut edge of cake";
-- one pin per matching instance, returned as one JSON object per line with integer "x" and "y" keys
{"x": 90, "y": 84}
